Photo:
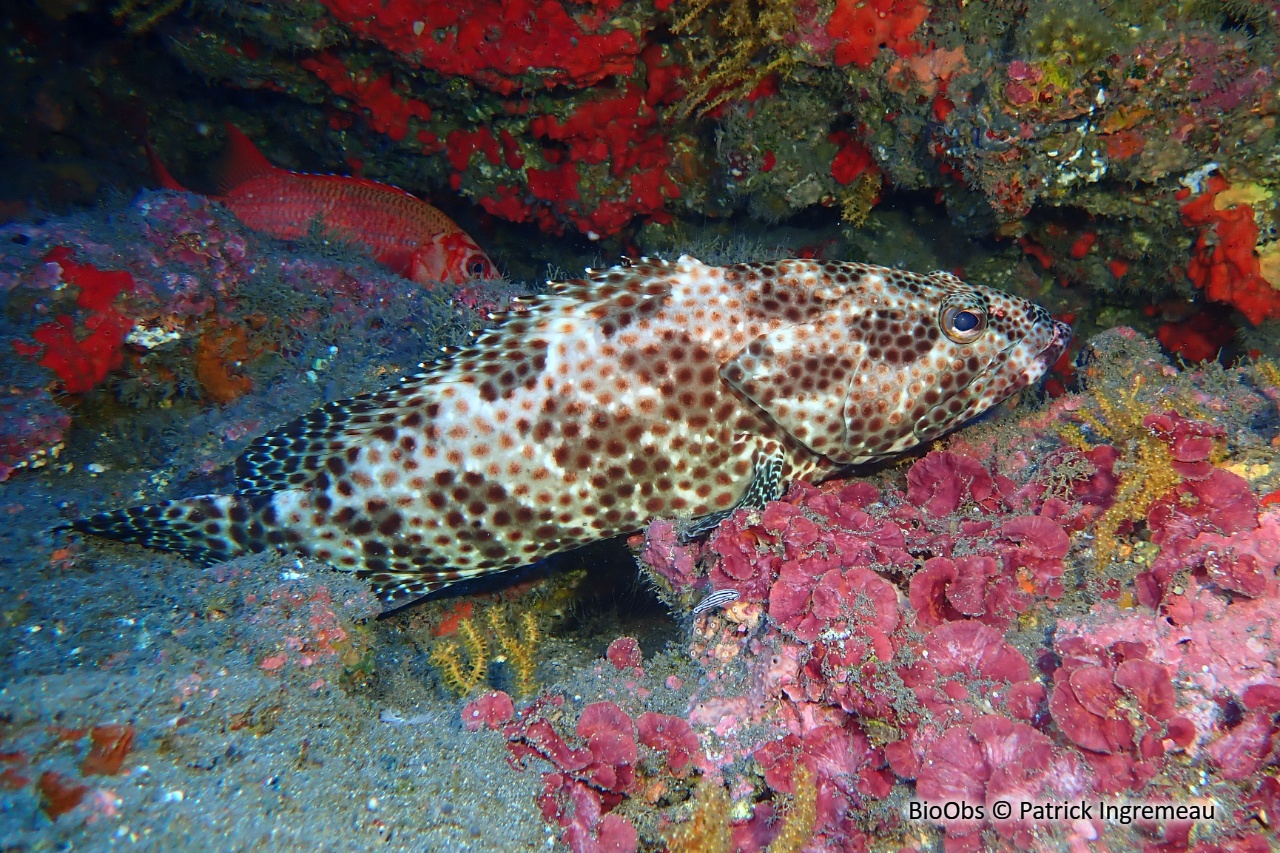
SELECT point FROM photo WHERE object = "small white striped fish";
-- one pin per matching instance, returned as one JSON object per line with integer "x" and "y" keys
{"x": 646, "y": 390}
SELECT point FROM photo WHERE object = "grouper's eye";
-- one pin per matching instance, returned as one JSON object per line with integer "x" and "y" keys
{"x": 477, "y": 268}
{"x": 963, "y": 324}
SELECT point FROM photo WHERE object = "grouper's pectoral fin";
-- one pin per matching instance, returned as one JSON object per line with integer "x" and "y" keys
{"x": 765, "y": 485}
{"x": 800, "y": 375}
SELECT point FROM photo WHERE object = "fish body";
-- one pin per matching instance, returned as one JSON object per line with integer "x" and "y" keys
{"x": 656, "y": 389}
{"x": 404, "y": 233}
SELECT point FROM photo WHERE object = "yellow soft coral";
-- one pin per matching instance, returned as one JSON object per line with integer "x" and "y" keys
{"x": 461, "y": 678}
{"x": 518, "y": 653}
{"x": 1269, "y": 372}
{"x": 797, "y": 830}
{"x": 464, "y": 677}
{"x": 857, "y": 199}
{"x": 1148, "y": 476}
{"x": 725, "y": 48}
{"x": 1146, "y": 471}
{"x": 707, "y": 829}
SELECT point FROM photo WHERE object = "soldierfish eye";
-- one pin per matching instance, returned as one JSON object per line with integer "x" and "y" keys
{"x": 963, "y": 324}
{"x": 477, "y": 268}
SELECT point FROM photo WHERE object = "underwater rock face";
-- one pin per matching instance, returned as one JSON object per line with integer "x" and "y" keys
{"x": 1058, "y": 603}
{"x": 1069, "y": 602}
{"x": 908, "y": 621}
{"x": 1096, "y": 135}
{"x": 1062, "y": 602}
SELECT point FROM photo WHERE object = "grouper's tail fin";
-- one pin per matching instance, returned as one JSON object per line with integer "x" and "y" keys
{"x": 206, "y": 529}
{"x": 210, "y": 529}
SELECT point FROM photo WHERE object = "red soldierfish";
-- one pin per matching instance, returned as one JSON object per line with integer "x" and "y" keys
{"x": 401, "y": 231}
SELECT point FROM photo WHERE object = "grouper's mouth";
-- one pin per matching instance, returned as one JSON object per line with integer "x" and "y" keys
{"x": 1060, "y": 336}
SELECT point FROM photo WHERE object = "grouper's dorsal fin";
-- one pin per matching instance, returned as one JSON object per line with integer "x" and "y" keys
{"x": 524, "y": 333}
{"x": 615, "y": 288}
{"x": 643, "y": 278}
{"x": 290, "y": 456}
{"x": 511, "y": 352}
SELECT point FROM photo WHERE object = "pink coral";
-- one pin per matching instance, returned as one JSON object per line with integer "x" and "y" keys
{"x": 1190, "y": 441}
{"x": 587, "y": 782}
{"x": 1211, "y": 644}
{"x": 974, "y": 586}
{"x": 992, "y": 759}
{"x": 954, "y": 659}
{"x": 1033, "y": 547}
{"x": 1117, "y": 705}
{"x": 624, "y": 653}
{"x": 856, "y": 600}
{"x": 941, "y": 481}
{"x": 672, "y": 736}
{"x": 490, "y": 710}
{"x": 1247, "y": 746}
{"x": 817, "y": 530}
{"x": 606, "y": 761}
{"x": 663, "y": 552}
{"x": 974, "y": 650}
{"x": 1133, "y": 685}
{"x": 611, "y": 737}
{"x": 1212, "y": 526}
{"x": 587, "y": 829}
{"x": 844, "y": 767}
{"x": 976, "y": 546}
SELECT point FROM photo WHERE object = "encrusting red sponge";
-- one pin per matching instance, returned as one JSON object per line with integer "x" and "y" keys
{"x": 1225, "y": 265}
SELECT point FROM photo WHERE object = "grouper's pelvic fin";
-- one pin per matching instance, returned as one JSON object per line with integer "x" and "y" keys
{"x": 206, "y": 529}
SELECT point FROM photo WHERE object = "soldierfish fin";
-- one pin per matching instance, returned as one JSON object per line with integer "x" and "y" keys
{"x": 159, "y": 171}
{"x": 242, "y": 161}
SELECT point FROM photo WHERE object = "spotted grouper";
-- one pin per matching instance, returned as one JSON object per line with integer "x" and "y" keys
{"x": 652, "y": 389}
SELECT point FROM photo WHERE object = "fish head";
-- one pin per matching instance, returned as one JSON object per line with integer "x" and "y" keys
{"x": 450, "y": 258}
{"x": 988, "y": 346}
{"x": 886, "y": 360}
